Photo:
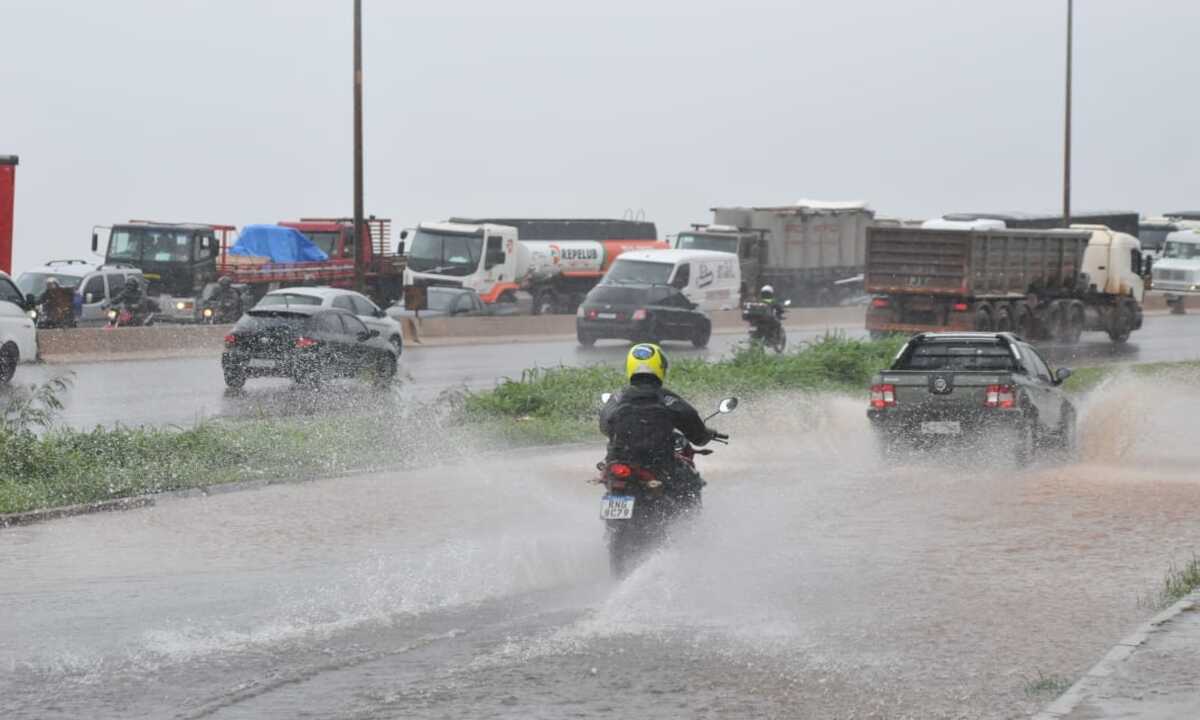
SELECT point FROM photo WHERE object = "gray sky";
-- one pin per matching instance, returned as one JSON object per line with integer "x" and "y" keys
{"x": 239, "y": 111}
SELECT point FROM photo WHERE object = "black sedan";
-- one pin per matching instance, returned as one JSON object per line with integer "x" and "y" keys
{"x": 640, "y": 313}
{"x": 454, "y": 302}
{"x": 307, "y": 343}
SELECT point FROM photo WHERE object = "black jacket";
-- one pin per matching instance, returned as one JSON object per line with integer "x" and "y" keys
{"x": 640, "y": 422}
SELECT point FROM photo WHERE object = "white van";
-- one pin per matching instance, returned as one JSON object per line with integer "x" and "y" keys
{"x": 709, "y": 279}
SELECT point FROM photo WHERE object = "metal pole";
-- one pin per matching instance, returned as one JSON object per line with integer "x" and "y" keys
{"x": 1067, "y": 130}
{"x": 361, "y": 237}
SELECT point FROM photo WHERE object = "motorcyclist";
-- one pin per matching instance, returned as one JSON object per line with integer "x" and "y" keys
{"x": 767, "y": 295}
{"x": 226, "y": 300}
{"x": 640, "y": 421}
{"x": 130, "y": 296}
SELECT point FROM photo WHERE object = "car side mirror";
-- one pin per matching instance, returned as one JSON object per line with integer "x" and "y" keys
{"x": 380, "y": 313}
{"x": 30, "y": 300}
{"x": 1061, "y": 375}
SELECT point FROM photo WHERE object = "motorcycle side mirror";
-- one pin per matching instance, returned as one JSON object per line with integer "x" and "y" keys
{"x": 727, "y": 405}
{"x": 605, "y": 397}
{"x": 787, "y": 303}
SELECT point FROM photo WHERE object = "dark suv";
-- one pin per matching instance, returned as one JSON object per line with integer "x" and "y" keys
{"x": 991, "y": 388}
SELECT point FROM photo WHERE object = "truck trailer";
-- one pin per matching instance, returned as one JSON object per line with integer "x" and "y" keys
{"x": 811, "y": 252}
{"x": 554, "y": 261}
{"x": 1047, "y": 284}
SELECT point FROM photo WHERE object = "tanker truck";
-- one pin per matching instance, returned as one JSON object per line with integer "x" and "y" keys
{"x": 553, "y": 261}
{"x": 1041, "y": 284}
{"x": 810, "y": 252}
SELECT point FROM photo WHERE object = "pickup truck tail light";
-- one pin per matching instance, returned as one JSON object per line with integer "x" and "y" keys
{"x": 639, "y": 314}
{"x": 230, "y": 340}
{"x": 306, "y": 342}
{"x": 883, "y": 396}
{"x": 1000, "y": 396}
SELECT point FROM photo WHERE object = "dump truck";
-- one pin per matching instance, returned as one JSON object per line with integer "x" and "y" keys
{"x": 811, "y": 252}
{"x": 1040, "y": 284}
{"x": 553, "y": 261}
{"x": 1123, "y": 221}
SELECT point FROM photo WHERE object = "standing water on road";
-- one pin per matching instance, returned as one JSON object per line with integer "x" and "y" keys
{"x": 818, "y": 582}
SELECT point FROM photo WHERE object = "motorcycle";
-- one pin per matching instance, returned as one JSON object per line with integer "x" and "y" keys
{"x": 765, "y": 327}
{"x": 125, "y": 315}
{"x": 639, "y": 504}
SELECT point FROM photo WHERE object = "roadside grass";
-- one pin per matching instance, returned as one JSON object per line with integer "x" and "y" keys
{"x": 1042, "y": 685}
{"x": 1178, "y": 582}
{"x": 1086, "y": 379}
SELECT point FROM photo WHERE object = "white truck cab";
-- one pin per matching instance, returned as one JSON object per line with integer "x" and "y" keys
{"x": 711, "y": 280}
{"x": 1178, "y": 272}
{"x": 1113, "y": 262}
{"x": 480, "y": 257}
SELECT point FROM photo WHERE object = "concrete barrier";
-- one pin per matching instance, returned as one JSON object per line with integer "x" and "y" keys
{"x": 166, "y": 340}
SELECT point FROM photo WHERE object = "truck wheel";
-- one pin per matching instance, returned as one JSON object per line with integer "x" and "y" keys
{"x": 1120, "y": 323}
{"x": 1065, "y": 438}
{"x": 1024, "y": 443}
{"x": 1073, "y": 323}
{"x": 1003, "y": 321}
{"x": 983, "y": 318}
{"x": 1051, "y": 321}
{"x": 1023, "y": 324}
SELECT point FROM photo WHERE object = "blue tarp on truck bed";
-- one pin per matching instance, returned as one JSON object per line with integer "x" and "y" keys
{"x": 281, "y": 244}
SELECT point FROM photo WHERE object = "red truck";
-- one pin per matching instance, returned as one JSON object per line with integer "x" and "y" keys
{"x": 181, "y": 260}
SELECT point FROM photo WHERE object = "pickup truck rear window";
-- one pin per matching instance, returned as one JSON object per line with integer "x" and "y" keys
{"x": 964, "y": 356}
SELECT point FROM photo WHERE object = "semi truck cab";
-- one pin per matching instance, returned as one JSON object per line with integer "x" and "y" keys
{"x": 1178, "y": 272}
{"x": 1113, "y": 262}
{"x": 480, "y": 257}
{"x": 749, "y": 245}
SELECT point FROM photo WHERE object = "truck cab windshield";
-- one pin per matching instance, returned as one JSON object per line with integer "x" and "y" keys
{"x": 638, "y": 272}
{"x": 957, "y": 355}
{"x": 1179, "y": 250}
{"x": 699, "y": 241}
{"x": 445, "y": 253}
{"x": 158, "y": 246}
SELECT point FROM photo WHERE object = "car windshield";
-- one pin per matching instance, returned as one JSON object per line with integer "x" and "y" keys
{"x": 957, "y": 355}
{"x": 35, "y": 283}
{"x": 257, "y": 320}
{"x": 700, "y": 241}
{"x": 327, "y": 241}
{"x": 638, "y": 271}
{"x": 288, "y": 299}
{"x": 150, "y": 245}
{"x": 1152, "y": 238}
{"x": 617, "y": 295}
{"x": 445, "y": 253}
{"x": 1180, "y": 250}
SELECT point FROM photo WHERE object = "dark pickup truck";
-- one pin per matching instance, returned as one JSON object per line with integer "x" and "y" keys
{"x": 991, "y": 390}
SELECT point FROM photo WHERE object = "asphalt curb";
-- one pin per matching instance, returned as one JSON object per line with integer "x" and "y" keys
{"x": 1109, "y": 664}
{"x": 31, "y": 517}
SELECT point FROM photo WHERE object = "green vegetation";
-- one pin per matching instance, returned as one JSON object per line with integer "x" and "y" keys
{"x": 1052, "y": 685}
{"x": 1086, "y": 379}
{"x": 1178, "y": 582}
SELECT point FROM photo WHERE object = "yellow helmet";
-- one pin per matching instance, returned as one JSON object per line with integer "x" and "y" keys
{"x": 646, "y": 359}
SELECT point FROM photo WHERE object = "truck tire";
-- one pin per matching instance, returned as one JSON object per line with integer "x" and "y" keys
{"x": 1024, "y": 443}
{"x": 1073, "y": 320}
{"x": 1003, "y": 321}
{"x": 1023, "y": 323}
{"x": 983, "y": 318}
{"x": 1120, "y": 322}
{"x": 1051, "y": 321}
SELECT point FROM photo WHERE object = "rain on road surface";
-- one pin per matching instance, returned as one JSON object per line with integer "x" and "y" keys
{"x": 182, "y": 391}
{"x": 817, "y": 582}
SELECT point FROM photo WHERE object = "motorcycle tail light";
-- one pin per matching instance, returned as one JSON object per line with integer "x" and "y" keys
{"x": 1000, "y": 396}
{"x": 883, "y": 396}
{"x": 639, "y": 314}
{"x": 960, "y": 307}
{"x": 620, "y": 470}
{"x": 880, "y": 302}
{"x": 305, "y": 342}
{"x": 230, "y": 340}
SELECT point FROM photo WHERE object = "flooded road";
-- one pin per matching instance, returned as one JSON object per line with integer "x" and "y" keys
{"x": 181, "y": 391}
{"x": 818, "y": 582}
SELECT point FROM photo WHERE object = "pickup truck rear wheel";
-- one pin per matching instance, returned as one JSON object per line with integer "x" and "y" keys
{"x": 235, "y": 376}
{"x": 1024, "y": 443}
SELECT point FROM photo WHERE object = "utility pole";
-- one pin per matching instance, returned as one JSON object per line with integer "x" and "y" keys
{"x": 1067, "y": 130}
{"x": 361, "y": 236}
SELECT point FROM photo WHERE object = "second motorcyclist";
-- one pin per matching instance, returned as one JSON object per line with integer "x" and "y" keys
{"x": 226, "y": 301}
{"x": 641, "y": 420}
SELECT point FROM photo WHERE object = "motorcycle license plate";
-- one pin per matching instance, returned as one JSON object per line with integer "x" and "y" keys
{"x": 616, "y": 507}
{"x": 948, "y": 427}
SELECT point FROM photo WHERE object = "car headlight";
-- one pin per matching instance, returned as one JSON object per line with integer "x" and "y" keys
{"x": 33, "y": 314}
{"x": 180, "y": 305}
{"x": 208, "y": 312}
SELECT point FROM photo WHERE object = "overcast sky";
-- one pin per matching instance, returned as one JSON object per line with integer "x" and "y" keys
{"x": 239, "y": 111}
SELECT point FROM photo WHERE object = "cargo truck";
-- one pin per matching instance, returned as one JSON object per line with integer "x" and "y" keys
{"x": 1122, "y": 221}
{"x": 811, "y": 252}
{"x": 179, "y": 260}
{"x": 554, "y": 261}
{"x": 1049, "y": 284}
